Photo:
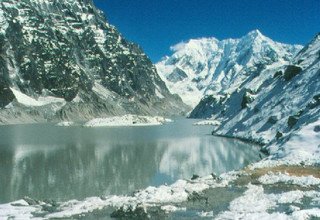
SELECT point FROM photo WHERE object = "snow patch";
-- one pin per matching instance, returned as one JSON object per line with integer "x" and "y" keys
{"x": 303, "y": 144}
{"x": 31, "y": 102}
{"x": 65, "y": 123}
{"x": 171, "y": 208}
{"x": 165, "y": 196}
{"x": 207, "y": 122}
{"x": 272, "y": 178}
{"x": 127, "y": 120}
{"x": 255, "y": 204}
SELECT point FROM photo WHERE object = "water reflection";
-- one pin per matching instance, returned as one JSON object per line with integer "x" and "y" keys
{"x": 47, "y": 162}
{"x": 202, "y": 156}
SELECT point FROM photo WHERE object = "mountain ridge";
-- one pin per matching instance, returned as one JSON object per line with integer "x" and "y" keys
{"x": 66, "y": 51}
{"x": 211, "y": 66}
{"x": 272, "y": 107}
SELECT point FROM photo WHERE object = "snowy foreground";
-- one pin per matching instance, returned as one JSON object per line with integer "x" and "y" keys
{"x": 285, "y": 185}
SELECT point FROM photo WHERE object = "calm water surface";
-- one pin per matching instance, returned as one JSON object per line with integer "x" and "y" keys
{"x": 44, "y": 161}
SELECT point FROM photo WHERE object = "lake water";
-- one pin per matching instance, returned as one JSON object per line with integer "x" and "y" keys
{"x": 44, "y": 161}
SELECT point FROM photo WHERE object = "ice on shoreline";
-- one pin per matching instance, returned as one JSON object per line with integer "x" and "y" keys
{"x": 163, "y": 196}
{"x": 127, "y": 120}
{"x": 208, "y": 122}
{"x": 305, "y": 181}
{"x": 65, "y": 124}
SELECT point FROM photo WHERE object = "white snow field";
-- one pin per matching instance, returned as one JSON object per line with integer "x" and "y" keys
{"x": 65, "y": 124}
{"x": 208, "y": 122}
{"x": 256, "y": 204}
{"x": 208, "y": 66}
{"x": 41, "y": 101}
{"x": 127, "y": 120}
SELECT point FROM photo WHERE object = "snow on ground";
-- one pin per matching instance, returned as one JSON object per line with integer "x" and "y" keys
{"x": 302, "y": 147}
{"x": 127, "y": 120}
{"x": 303, "y": 144}
{"x": 164, "y": 196}
{"x": 171, "y": 208}
{"x": 31, "y": 102}
{"x": 208, "y": 122}
{"x": 256, "y": 204}
{"x": 18, "y": 210}
{"x": 65, "y": 123}
{"x": 272, "y": 178}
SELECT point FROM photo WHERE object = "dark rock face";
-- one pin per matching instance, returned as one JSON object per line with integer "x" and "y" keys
{"x": 207, "y": 106}
{"x": 66, "y": 49}
{"x": 315, "y": 102}
{"x": 177, "y": 75}
{"x": 246, "y": 99}
{"x": 291, "y": 72}
{"x": 273, "y": 119}
{"x": 292, "y": 120}
{"x": 279, "y": 135}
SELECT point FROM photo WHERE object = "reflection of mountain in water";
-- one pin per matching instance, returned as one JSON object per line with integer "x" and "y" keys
{"x": 202, "y": 156}
{"x": 47, "y": 162}
{"x": 76, "y": 171}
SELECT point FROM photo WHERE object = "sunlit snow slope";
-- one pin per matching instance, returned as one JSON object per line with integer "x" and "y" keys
{"x": 275, "y": 104}
{"x": 208, "y": 66}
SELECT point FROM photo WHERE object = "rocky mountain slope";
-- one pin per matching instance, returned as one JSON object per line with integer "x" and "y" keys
{"x": 208, "y": 66}
{"x": 275, "y": 105}
{"x": 61, "y": 60}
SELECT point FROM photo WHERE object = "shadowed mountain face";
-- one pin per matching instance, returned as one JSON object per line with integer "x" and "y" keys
{"x": 61, "y": 59}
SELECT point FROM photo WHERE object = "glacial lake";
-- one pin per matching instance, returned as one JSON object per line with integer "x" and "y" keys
{"x": 44, "y": 161}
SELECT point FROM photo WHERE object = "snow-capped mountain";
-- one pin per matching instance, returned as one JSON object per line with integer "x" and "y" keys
{"x": 275, "y": 105}
{"x": 62, "y": 60}
{"x": 208, "y": 66}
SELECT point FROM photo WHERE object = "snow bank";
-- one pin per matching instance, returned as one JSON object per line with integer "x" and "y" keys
{"x": 303, "y": 145}
{"x": 127, "y": 120}
{"x": 164, "y": 196}
{"x": 207, "y": 122}
{"x": 65, "y": 123}
{"x": 18, "y": 209}
{"x": 171, "y": 208}
{"x": 31, "y": 102}
{"x": 272, "y": 178}
{"x": 255, "y": 204}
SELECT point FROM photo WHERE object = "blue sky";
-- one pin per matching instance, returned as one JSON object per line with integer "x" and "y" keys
{"x": 158, "y": 24}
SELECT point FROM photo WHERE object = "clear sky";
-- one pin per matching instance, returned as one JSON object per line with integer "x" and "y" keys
{"x": 158, "y": 24}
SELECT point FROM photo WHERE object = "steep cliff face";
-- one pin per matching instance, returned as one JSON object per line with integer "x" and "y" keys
{"x": 60, "y": 59}
{"x": 208, "y": 66}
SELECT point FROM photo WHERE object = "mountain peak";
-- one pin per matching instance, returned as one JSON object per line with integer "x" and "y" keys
{"x": 254, "y": 34}
{"x": 83, "y": 61}
{"x": 209, "y": 66}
